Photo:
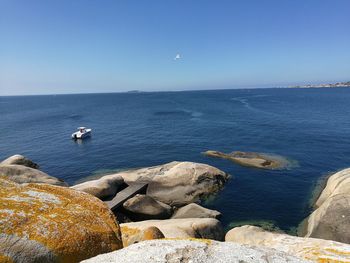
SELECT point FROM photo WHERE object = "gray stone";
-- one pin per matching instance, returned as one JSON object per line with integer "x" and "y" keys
{"x": 195, "y": 211}
{"x": 178, "y": 183}
{"x": 22, "y": 174}
{"x": 331, "y": 219}
{"x": 318, "y": 250}
{"x": 206, "y": 251}
{"x": 143, "y": 207}
{"x": 208, "y": 228}
{"x": 20, "y": 160}
{"x": 102, "y": 188}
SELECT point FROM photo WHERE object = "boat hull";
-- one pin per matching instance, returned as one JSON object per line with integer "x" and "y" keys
{"x": 79, "y": 135}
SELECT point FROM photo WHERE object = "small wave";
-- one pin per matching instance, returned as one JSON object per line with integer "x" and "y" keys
{"x": 246, "y": 104}
{"x": 75, "y": 116}
{"x": 166, "y": 113}
{"x": 184, "y": 113}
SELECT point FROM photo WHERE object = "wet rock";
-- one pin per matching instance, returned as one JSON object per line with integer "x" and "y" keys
{"x": 252, "y": 159}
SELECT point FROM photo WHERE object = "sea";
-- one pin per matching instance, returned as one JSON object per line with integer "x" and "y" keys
{"x": 309, "y": 127}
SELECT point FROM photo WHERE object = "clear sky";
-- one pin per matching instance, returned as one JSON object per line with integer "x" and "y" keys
{"x": 109, "y": 46}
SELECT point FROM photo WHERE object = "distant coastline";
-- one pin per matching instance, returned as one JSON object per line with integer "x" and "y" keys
{"x": 328, "y": 85}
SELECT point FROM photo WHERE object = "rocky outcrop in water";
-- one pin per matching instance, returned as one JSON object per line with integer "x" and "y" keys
{"x": 178, "y": 183}
{"x": 104, "y": 187}
{"x": 20, "y": 169}
{"x": 208, "y": 228}
{"x": 251, "y": 159}
{"x": 194, "y": 251}
{"x": 143, "y": 207}
{"x": 195, "y": 211}
{"x": 317, "y": 250}
{"x": 22, "y": 174}
{"x": 46, "y": 223}
{"x": 331, "y": 219}
{"x": 20, "y": 160}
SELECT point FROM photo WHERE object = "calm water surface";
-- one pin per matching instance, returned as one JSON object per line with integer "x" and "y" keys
{"x": 310, "y": 126}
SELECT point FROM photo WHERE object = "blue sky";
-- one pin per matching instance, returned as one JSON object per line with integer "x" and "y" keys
{"x": 109, "y": 46}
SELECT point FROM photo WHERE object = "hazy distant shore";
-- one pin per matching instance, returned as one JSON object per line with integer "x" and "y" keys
{"x": 329, "y": 85}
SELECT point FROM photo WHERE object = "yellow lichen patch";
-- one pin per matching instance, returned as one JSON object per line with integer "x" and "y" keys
{"x": 5, "y": 259}
{"x": 151, "y": 233}
{"x": 134, "y": 235}
{"x": 326, "y": 255}
{"x": 127, "y": 231}
{"x": 338, "y": 252}
{"x": 71, "y": 224}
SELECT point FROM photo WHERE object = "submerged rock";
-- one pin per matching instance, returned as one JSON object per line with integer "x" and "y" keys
{"x": 20, "y": 160}
{"x": 178, "y": 183}
{"x": 208, "y": 228}
{"x": 252, "y": 159}
{"x": 331, "y": 219}
{"x": 46, "y": 223}
{"x": 22, "y": 174}
{"x": 102, "y": 188}
{"x": 318, "y": 250}
{"x": 133, "y": 235}
{"x": 194, "y": 251}
{"x": 143, "y": 207}
{"x": 195, "y": 211}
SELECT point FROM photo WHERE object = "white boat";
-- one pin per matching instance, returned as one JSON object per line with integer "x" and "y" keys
{"x": 81, "y": 133}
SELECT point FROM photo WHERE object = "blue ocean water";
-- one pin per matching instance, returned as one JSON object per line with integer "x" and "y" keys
{"x": 310, "y": 126}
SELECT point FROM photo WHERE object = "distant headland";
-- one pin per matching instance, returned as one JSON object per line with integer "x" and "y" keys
{"x": 324, "y": 85}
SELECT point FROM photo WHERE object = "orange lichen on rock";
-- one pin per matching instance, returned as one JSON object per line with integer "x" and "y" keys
{"x": 5, "y": 259}
{"x": 134, "y": 235}
{"x": 69, "y": 224}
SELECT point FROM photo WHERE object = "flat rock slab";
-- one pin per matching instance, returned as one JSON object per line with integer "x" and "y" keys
{"x": 253, "y": 159}
{"x": 125, "y": 194}
{"x": 195, "y": 251}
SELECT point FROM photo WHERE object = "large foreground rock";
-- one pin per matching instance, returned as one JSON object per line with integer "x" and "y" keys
{"x": 102, "y": 188}
{"x": 195, "y": 211}
{"x": 318, "y": 250}
{"x": 178, "y": 183}
{"x": 331, "y": 219}
{"x": 143, "y": 207}
{"x": 20, "y": 160}
{"x": 208, "y": 228}
{"x": 46, "y": 223}
{"x": 22, "y": 174}
{"x": 195, "y": 251}
{"x": 252, "y": 159}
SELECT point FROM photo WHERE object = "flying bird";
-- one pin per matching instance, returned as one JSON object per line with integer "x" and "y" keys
{"x": 177, "y": 57}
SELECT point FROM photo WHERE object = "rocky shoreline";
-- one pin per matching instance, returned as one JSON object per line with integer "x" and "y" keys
{"x": 45, "y": 220}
